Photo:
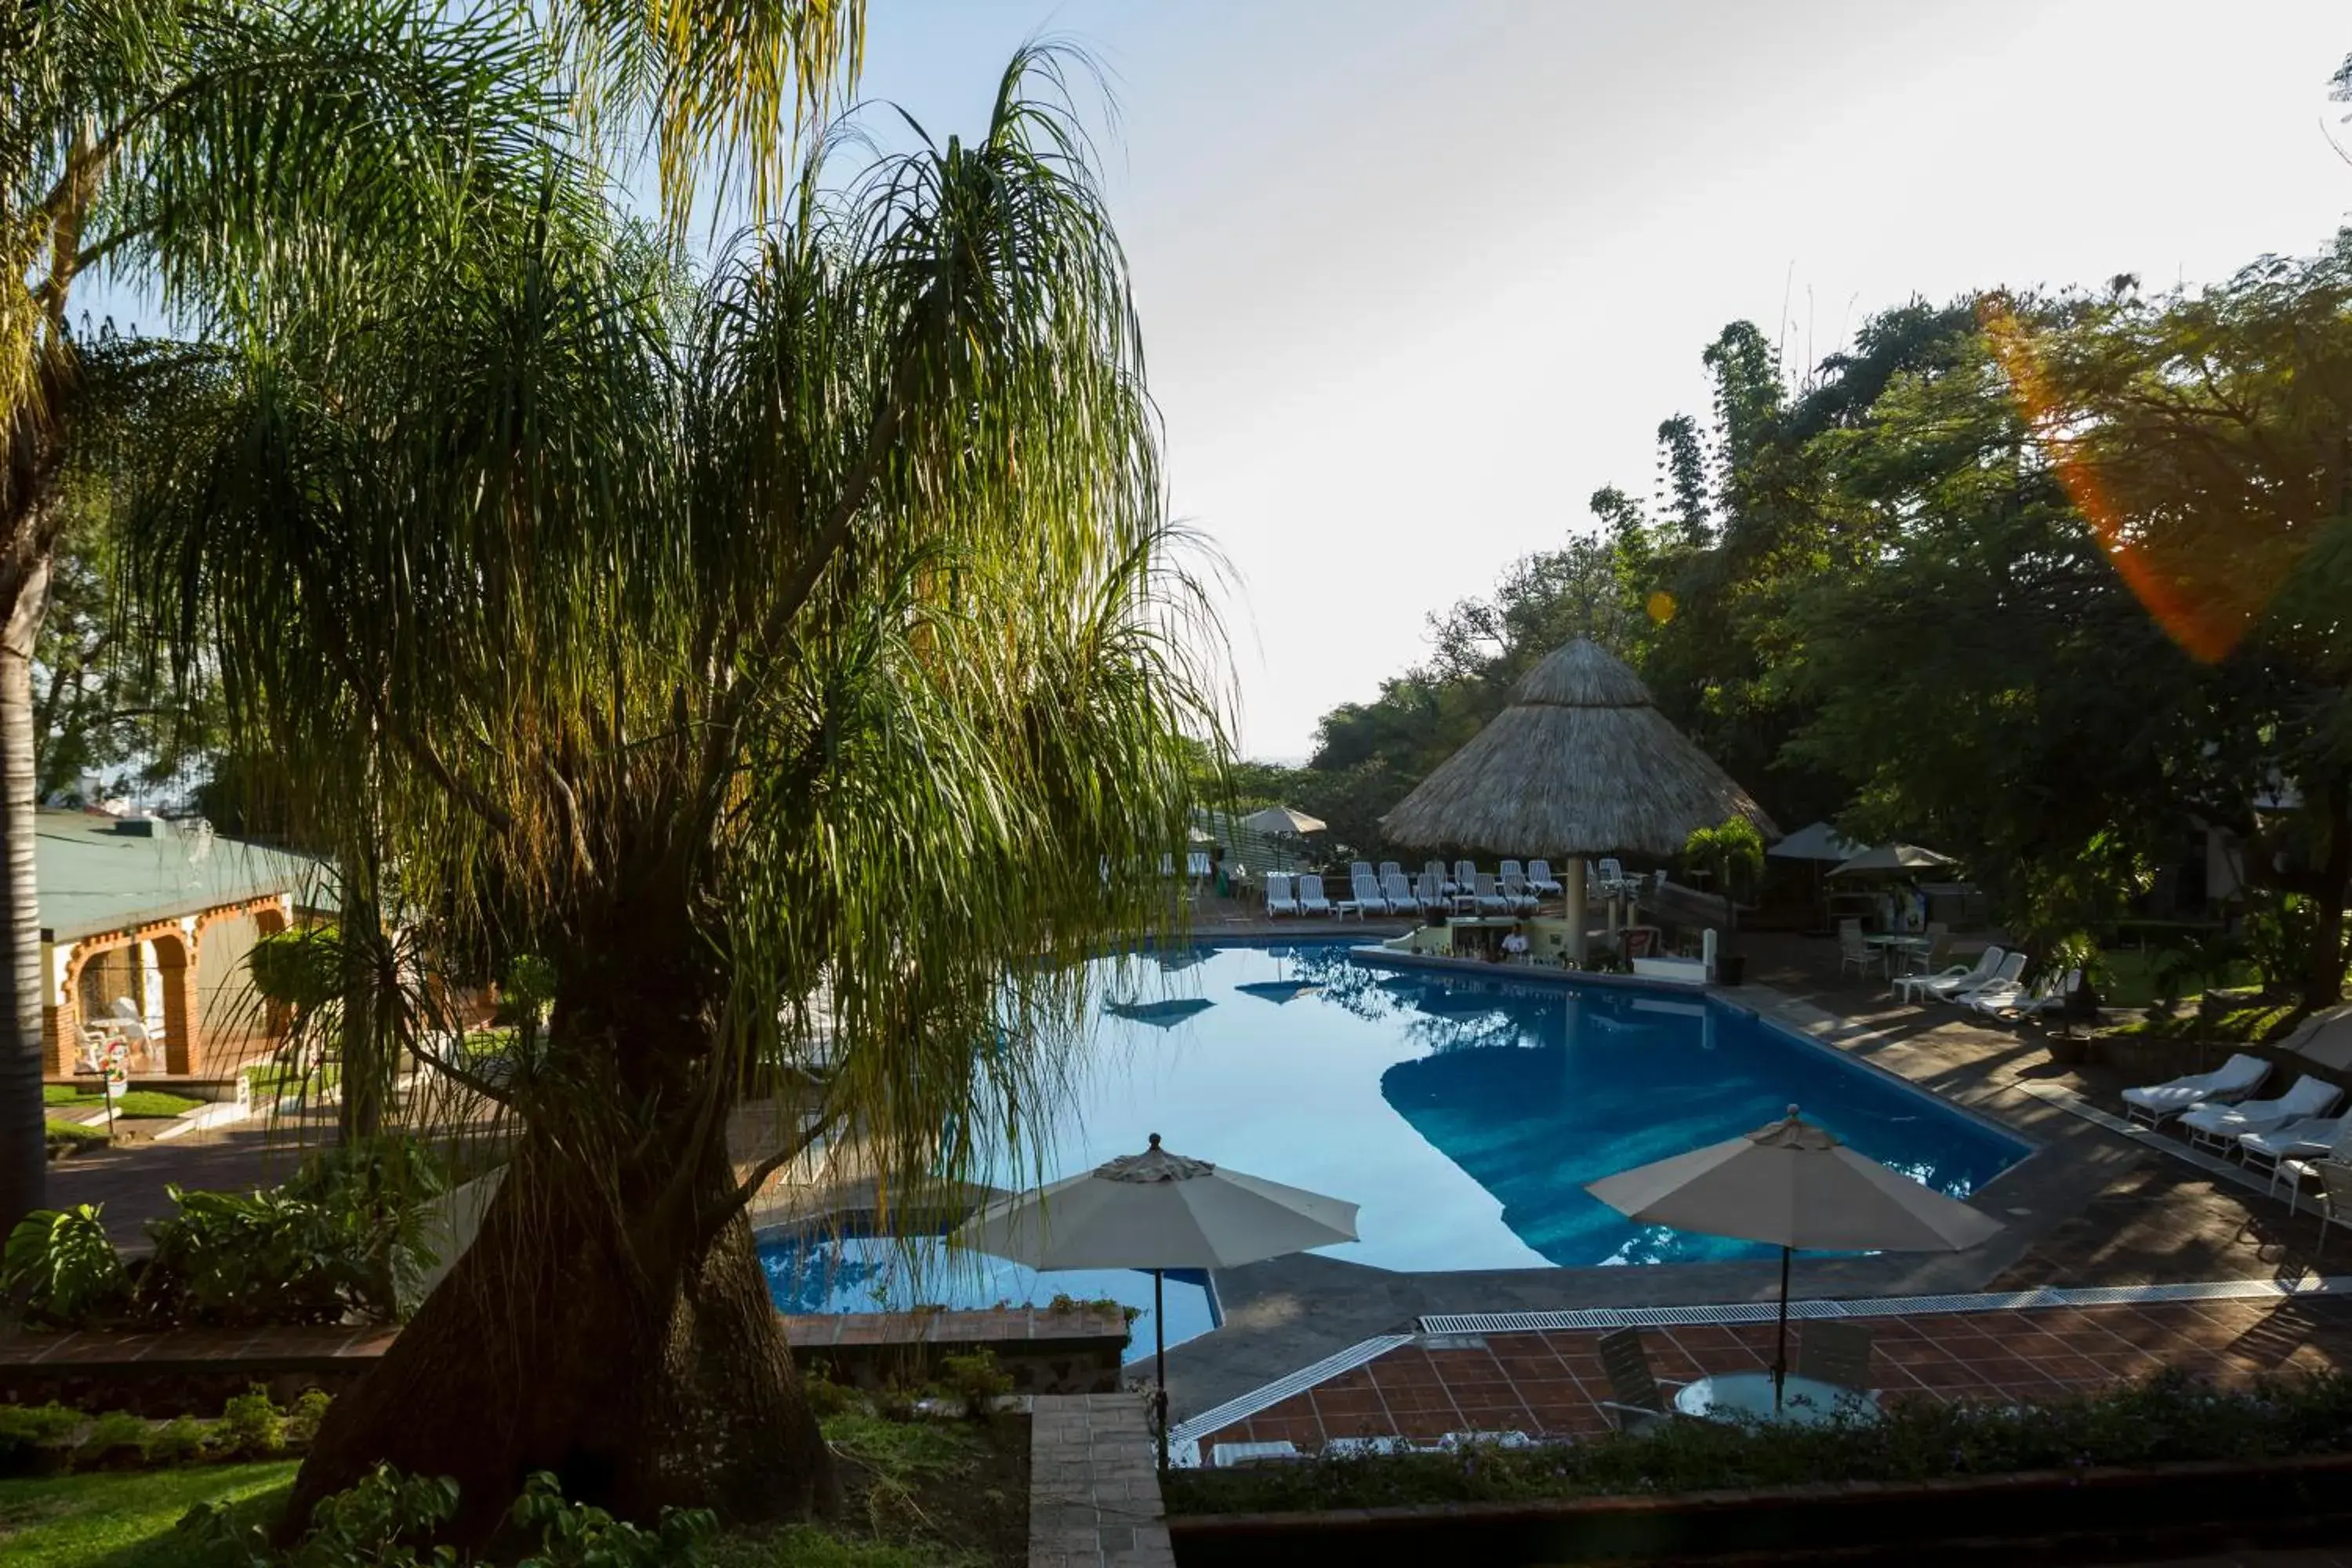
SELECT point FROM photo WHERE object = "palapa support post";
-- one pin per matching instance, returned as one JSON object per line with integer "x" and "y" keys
{"x": 1572, "y": 886}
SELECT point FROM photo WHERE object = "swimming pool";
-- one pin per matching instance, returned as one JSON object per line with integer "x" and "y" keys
{"x": 823, "y": 1272}
{"x": 1465, "y": 1113}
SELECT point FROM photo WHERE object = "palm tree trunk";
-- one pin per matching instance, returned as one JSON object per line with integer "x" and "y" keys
{"x": 24, "y": 1155}
{"x": 634, "y": 1352}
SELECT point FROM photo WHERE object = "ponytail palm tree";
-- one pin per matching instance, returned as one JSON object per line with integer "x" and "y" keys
{"x": 797, "y": 651}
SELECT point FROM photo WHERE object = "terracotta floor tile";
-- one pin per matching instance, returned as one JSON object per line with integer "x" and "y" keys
{"x": 1946, "y": 1374}
{"x": 1402, "y": 1400}
{"x": 1331, "y": 1405}
{"x": 1307, "y": 1434}
{"x": 2032, "y": 1345}
{"x": 1424, "y": 1426}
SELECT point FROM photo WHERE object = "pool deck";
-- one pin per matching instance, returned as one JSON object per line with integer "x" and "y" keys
{"x": 2092, "y": 1205}
{"x": 1550, "y": 1384}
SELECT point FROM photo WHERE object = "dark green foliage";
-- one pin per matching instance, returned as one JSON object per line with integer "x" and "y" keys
{"x": 2167, "y": 1419}
{"x": 116, "y": 1438}
{"x": 26, "y": 1430}
{"x": 975, "y": 1379}
{"x": 61, "y": 1268}
{"x": 251, "y": 1426}
{"x": 381, "y": 1522}
{"x": 344, "y": 1237}
{"x": 309, "y": 1409}
{"x": 179, "y": 1441}
{"x": 825, "y": 1398}
{"x": 299, "y": 968}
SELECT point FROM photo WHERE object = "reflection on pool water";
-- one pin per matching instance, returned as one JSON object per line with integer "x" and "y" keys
{"x": 1465, "y": 1112}
{"x": 819, "y": 1272}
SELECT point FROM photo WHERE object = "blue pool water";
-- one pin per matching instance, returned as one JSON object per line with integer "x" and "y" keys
{"x": 1465, "y": 1113}
{"x": 827, "y": 1273}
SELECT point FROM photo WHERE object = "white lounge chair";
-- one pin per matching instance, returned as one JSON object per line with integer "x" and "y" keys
{"x": 1608, "y": 876}
{"x": 2281, "y": 1146}
{"x": 1399, "y": 893}
{"x": 1920, "y": 987}
{"x": 1488, "y": 896}
{"x": 1444, "y": 879}
{"x": 1385, "y": 867}
{"x": 1364, "y": 897}
{"x": 1517, "y": 893}
{"x": 1279, "y": 898}
{"x": 1509, "y": 871}
{"x": 1541, "y": 879}
{"x": 2220, "y": 1126}
{"x": 2003, "y": 982}
{"x": 1997, "y": 996}
{"x": 2157, "y": 1103}
{"x": 1429, "y": 892}
{"x": 2051, "y": 998}
{"x": 1312, "y": 899}
{"x": 1466, "y": 872}
{"x": 1360, "y": 869}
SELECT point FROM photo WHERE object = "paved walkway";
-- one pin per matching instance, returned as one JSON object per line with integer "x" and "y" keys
{"x": 1551, "y": 1384}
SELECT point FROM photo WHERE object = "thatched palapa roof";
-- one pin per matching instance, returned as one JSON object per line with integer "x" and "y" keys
{"x": 1581, "y": 762}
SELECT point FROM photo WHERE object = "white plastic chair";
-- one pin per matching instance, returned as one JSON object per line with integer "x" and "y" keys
{"x": 1445, "y": 881}
{"x": 1399, "y": 893}
{"x": 1486, "y": 896}
{"x": 1465, "y": 874}
{"x": 1279, "y": 898}
{"x": 1429, "y": 892}
{"x": 1852, "y": 949}
{"x": 1365, "y": 897}
{"x": 1920, "y": 987}
{"x": 1312, "y": 899}
{"x": 1541, "y": 879}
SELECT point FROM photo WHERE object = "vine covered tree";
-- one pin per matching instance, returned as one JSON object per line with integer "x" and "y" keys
{"x": 794, "y": 655}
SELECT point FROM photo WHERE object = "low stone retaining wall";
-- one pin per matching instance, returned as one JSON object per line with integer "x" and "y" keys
{"x": 174, "y": 1372}
{"x": 1094, "y": 1485}
{"x": 2029, "y": 1517}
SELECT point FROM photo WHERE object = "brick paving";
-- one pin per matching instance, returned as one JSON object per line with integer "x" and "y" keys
{"x": 1093, "y": 1486}
{"x": 1550, "y": 1383}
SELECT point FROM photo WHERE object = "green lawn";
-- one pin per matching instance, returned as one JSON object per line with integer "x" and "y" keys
{"x": 122, "y": 1520}
{"x": 2129, "y": 977}
{"x": 138, "y": 1103}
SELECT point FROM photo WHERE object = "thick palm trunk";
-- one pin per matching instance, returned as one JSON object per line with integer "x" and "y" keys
{"x": 2323, "y": 981}
{"x": 586, "y": 1334}
{"x": 24, "y": 1157}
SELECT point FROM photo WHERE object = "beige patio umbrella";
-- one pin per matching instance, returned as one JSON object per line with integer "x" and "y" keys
{"x": 1281, "y": 819}
{"x": 1156, "y": 1210}
{"x": 1891, "y": 857}
{"x": 1580, "y": 764}
{"x": 1793, "y": 1184}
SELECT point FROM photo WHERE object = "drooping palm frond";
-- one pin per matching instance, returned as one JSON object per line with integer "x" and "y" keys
{"x": 802, "y": 653}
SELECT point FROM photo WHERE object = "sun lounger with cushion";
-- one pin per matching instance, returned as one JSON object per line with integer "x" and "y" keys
{"x": 2157, "y": 1103}
{"x": 2220, "y": 1126}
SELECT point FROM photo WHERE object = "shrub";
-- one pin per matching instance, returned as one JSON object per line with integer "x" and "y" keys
{"x": 252, "y": 1425}
{"x": 302, "y": 1421}
{"x": 975, "y": 1379}
{"x": 179, "y": 1441}
{"x": 60, "y": 1264}
{"x": 573, "y": 1536}
{"x": 344, "y": 1237}
{"x": 371, "y": 1525}
{"x": 825, "y": 1398}
{"x": 2167, "y": 1419}
{"x": 117, "y": 1438}
{"x": 300, "y": 968}
{"x": 27, "y": 1429}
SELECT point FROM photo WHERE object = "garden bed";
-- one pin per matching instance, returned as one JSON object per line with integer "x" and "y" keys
{"x": 2165, "y": 1455}
{"x": 916, "y": 1489}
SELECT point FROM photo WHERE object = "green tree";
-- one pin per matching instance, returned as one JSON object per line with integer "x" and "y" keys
{"x": 793, "y": 656}
{"x": 1733, "y": 852}
{"x": 227, "y": 152}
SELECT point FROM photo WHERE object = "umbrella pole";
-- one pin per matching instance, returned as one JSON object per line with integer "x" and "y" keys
{"x": 1780, "y": 1346}
{"x": 1159, "y": 1359}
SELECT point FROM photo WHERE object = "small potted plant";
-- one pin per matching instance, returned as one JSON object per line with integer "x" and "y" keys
{"x": 1733, "y": 851}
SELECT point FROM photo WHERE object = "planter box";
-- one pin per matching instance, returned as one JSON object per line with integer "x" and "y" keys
{"x": 1995, "y": 1518}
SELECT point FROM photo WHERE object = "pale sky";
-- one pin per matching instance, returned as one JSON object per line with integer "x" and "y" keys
{"x": 1415, "y": 280}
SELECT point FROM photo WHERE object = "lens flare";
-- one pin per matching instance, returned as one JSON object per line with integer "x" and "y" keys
{"x": 2205, "y": 600}
{"x": 1661, "y": 605}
